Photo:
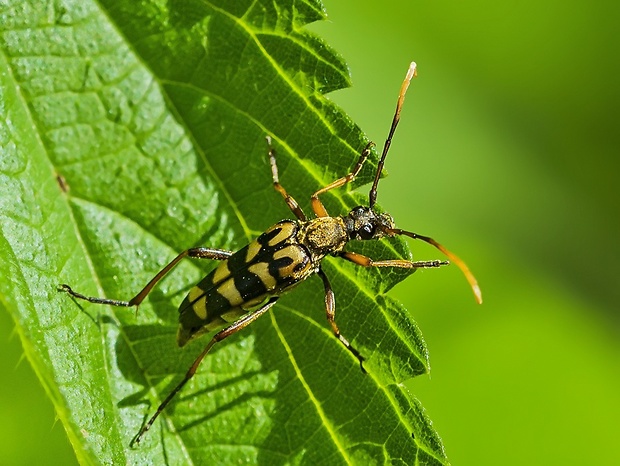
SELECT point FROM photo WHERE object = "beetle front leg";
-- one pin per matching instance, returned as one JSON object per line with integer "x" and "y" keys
{"x": 317, "y": 205}
{"x": 290, "y": 200}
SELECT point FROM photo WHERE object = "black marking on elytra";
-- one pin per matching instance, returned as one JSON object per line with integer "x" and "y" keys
{"x": 249, "y": 285}
{"x": 268, "y": 236}
{"x": 276, "y": 264}
{"x": 237, "y": 262}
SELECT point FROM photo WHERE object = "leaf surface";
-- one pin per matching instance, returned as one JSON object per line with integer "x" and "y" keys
{"x": 132, "y": 131}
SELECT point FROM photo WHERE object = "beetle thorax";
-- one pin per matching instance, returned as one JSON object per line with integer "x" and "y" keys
{"x": 323, "y": 235}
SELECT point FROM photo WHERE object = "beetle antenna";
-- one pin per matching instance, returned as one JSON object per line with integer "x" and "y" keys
{"x": 450, "y": 255}
{"x": 411, "y": 73}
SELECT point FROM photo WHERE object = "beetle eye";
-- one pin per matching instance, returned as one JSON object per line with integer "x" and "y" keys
{"x": 367, "y": 231}
{"x": 358, "y": 211}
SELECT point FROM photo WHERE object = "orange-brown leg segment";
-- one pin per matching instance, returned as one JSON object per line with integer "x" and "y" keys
{"x": 197, "y": 253}
{"x": 317, "y": 205}
{"x": 228, "y": 331}
{"x": 330, "y": 308}
{"x": 364, "y": 261}
{"x": 290, "y": 201}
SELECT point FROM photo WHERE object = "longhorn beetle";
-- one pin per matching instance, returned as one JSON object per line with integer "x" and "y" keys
{"x": 247, "y": 283}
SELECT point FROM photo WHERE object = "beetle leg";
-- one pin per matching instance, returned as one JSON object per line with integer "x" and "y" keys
{"x": 330, "y": 308}
{"x": 219, "y": 336}
{"x": 290, "y": 201}
{"x": 317, "y": 205}
{"x": 197, "y": 253}
{"x": 364, "y": 261}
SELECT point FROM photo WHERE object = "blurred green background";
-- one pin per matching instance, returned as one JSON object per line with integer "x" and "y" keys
{"x": 507, "y": 153}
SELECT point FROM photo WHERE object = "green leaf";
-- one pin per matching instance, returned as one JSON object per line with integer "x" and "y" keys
{"x": 131, "y": 131}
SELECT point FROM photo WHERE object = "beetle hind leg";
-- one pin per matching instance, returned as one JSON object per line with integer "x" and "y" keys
{"x": 219, "y": 336}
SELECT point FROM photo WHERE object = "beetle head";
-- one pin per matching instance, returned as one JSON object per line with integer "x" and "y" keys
{"x": 364, "y": 223}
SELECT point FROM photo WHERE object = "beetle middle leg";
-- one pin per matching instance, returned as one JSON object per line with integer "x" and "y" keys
{"x": 197, "y": 253}
{"x": 365, "y": 261}
{"x": 330, "y": 308}
{"x": 219, "y": 336}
